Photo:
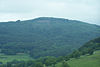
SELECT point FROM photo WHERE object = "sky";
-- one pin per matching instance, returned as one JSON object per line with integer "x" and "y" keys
{"x": 83, "y": 10}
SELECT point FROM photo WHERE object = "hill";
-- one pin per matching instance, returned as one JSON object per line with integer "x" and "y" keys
{"x": 45, "y": 36}
{"x": 93, "y": 45}
{"x": 83, "y": 61}
{"x": 86, "y": 60}
{"x": 90, "y": 47}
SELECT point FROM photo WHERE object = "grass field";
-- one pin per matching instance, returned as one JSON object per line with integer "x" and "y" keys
{"x": 19, "y": 57}
{"x": 85, "y": 61}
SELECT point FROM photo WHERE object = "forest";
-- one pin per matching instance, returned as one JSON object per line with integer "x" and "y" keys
{"x": 48, "y": 42}
{"x": 50, "y": 61}
{"x": 45, "y": 36}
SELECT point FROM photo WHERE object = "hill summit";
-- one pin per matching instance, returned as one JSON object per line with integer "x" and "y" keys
{"x": 45, "y": 36}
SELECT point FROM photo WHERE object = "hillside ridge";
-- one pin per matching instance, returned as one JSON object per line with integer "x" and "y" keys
{"x": 38, "y": 38}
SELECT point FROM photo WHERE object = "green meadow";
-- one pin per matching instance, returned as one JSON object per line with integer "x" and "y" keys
{"x": 19, "y": 57}
{"x": 84, "y": 61}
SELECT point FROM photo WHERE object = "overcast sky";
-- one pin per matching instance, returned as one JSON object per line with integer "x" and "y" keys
{"x": 84, "y": 10}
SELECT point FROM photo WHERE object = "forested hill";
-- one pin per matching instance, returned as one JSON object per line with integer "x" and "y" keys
{"x": 91, "y": 46}
{"x": 45, "y": 36}
{"x": 88, "y": 48}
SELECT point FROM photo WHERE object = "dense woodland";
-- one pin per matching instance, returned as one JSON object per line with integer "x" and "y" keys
{"x": 49, "y": 61}
{"x": 88, "y": 48}
{"x": 45, "y": 36}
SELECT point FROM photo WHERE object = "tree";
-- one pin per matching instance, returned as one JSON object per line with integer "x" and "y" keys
{"x": 50, "y": 61}
{"x": 37, "y": 64}
{"x": 9, "y": 64}
{"x": 90, "y": 52}
{"x": 65, "y": 64}
{"x": 76, "y": 54}
{"x": 18, "y": 21}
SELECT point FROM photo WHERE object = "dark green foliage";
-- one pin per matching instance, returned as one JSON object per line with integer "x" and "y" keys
{"x": 91, "y": 52}
{"x": 8, "y": 52}
{"x": 64, "y": 64}
{"x": 37, "y": 64}
{"x": 1, "y": 63}
{"x": 45, "y": 36}
{"x": 76, "y": 54}
{"x": 88, "y": 48}
{"x": 62, "y": 58}
{"x": 91, "y": 46}
{"x": 18, "y": 21}
{"x": 50, "y": 61}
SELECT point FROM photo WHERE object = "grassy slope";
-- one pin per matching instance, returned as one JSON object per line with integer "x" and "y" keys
{"x": 8, "y": 58}
{"x": 85, "y": 61}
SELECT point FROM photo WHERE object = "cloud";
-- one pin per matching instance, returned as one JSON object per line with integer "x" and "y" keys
{"x": 84, "y": 10}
